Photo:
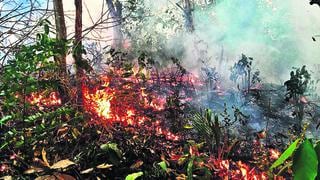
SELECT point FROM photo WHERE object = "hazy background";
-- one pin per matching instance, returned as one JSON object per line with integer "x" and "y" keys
{"x": 276, "y": 33}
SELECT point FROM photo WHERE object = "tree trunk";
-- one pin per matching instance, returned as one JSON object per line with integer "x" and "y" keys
{"x": 61, "y": 32}
{"x": 77, "y": 54}
{"x": 116, "y": 17}
{"x": 188, "y": 16}
{"x": 221, "y": 58}
{"x": 300, "y": 114}
{"x": 61, "y": 35}
{"x": 249, "y": 80}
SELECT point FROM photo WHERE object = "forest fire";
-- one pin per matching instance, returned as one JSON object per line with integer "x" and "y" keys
{"x": 249, "y": 173}
{"x": 223, "y": 168}
{"x": 128, "y": 102}
{"x": 98, "y": 102}
{"x": 109, "y": 104}
{"x": 159, "y": 90}
{"x": 42, "y": 99}
{"x": 125, "y": 103}
{"x": 274, "y": 154}
{"x": 227, "y": 169}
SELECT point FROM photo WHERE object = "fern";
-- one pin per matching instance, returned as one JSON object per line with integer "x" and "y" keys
{"x": 207, "y": 125}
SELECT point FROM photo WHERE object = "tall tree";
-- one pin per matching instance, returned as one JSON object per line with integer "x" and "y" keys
{"x": 61, "y": 32}
{"x": 297, "y": 86}
{"x": 61, "y": 36}
{"x": 115, "y": 8}
{"x": 77, "y": 52}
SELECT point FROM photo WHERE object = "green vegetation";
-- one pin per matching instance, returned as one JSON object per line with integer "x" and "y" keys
{"x": 141, "y": 106}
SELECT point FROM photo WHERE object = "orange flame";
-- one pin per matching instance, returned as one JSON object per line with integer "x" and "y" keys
{"x": 274, "y": 154}
{"x": 42, "y": 100}
{"x": 124, "y": 104}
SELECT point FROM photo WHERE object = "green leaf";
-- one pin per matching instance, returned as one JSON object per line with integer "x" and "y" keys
{"x": 317, "y": 149}
{"x": 163, "y": 165}
{"x": 286, "y": 154}
{"x": 134, "y": 176}
{"x": 46, "y": 29}
{"x": 5, "y": 119}
{"x": 190, "y": 168}
{"x": 34, "y": 117}
{"x": 4, "y": 145}
{"x": 182, "y": 160}
{"x": 113, "y": 147}
{"x": 305, "y": 162}
{"x": 19, "y": 143}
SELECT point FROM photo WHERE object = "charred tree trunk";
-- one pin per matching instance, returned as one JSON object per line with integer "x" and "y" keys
{"x": 77, "y": 53}
{"x": 61, "y": 35}
{"x": 115, "y": 9}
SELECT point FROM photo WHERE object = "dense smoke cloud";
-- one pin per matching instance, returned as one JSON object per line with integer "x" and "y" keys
{"x": 276, "y": 33}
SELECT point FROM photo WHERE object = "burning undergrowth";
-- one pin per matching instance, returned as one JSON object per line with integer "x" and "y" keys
{"x": 146, "y": 113}
{"x": 154, "y": 106}
{"x": 149, "y": 112}
{"x": 137, "y": 102}
{"x": 44, "y": 99}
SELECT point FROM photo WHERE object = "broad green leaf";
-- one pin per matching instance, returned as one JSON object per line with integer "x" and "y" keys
{"x": 305, "y": 162}
{"x": 134, "y": 176}
{"x": 286, "y": 154}
{"x": 163, "y": 165}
